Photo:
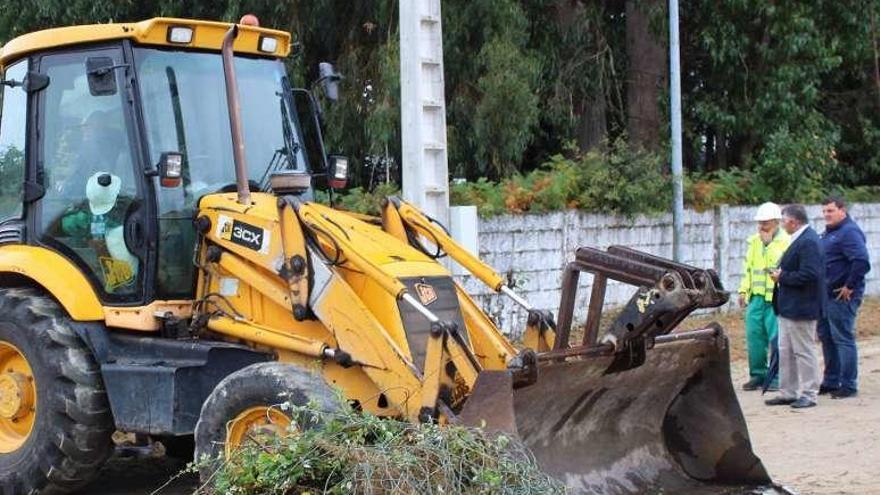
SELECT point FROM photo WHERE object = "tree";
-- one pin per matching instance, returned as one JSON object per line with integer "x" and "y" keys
{"x": 646, "y": 73}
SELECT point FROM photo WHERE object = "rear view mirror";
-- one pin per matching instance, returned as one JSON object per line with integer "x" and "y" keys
{"x": 102, "y": 80}
{"x": 337, "y": 171}
{"x": 32, "y": 82}
{"x": 170, "y": 169}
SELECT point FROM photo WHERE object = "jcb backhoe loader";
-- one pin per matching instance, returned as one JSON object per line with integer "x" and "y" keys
{"x": 165, "y": 271}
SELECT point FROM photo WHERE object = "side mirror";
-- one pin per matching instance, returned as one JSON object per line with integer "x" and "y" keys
{"x": 337, "y": 171}
{"x": 102, "y": 80}
{"x": 170, "y": 169}
{"x": 32, "y": 82}
{"x": 330, "y": 79}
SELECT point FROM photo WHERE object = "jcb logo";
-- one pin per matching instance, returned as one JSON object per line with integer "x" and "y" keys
{"x": 426, "y": 293}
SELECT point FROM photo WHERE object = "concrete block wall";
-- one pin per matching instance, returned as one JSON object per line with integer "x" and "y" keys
{"x": 532, "y": 251}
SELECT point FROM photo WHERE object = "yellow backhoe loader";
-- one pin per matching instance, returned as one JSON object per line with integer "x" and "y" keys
{"x": 165, "y": 270}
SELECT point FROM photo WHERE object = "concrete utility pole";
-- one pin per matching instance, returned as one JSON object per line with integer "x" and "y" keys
{"x": 675, "y": 111}
{"x": 423, "y": 108}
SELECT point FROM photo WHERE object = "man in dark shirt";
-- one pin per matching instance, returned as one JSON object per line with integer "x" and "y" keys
{"x": 846, "y": 263}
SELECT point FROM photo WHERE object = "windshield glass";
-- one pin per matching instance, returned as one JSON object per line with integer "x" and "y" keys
{"x": 183, "y": 96}
{"x": 184, "y": 104}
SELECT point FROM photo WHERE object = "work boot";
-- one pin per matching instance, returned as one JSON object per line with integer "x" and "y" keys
{"x": 844, "y": 393}
{"x": 803, "y": 403}
{"x": 823, "y": 390}
{"x": 780, "y": 401}
{"x": 753, "y": 384}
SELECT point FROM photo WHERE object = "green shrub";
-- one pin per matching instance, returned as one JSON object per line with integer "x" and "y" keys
{"x": 360, "y": 200}
{"x": 625, "y": 181}
{"x": 796, "y": 163}
{"x": 622, "y": 181}
{"x": 360, "y": 453}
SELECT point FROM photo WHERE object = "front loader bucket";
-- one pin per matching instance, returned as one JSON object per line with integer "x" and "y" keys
{"x": 671, "y": 425}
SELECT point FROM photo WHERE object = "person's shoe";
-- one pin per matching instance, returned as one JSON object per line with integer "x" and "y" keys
{"x": 844, "y": 393}
{"x": 779, "y": 401}
{"x": 773, "y": 387}
{"x": 803, "y": 403}
{"x": 753, "y": 384}
{"x": 823, "y": 390}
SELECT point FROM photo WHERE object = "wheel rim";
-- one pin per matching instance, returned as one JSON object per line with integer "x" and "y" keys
{"x": 254, "y": 422}
{"x": 18, "y": 398}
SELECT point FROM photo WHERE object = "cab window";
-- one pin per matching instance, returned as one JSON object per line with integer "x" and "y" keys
{"x": 13, "y": 122}
{"x": 89, "y": 174}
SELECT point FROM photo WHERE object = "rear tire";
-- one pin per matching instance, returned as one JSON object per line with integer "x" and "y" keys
{"x": 72, "y": 424}
{"x": 259, "y": 385}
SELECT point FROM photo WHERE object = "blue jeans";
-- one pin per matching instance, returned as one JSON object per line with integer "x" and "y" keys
{"x": 838, "y": 336}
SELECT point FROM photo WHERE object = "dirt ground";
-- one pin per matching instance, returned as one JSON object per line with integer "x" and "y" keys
{"x": 833, "y": 448}
{"x": 830, "y": 449}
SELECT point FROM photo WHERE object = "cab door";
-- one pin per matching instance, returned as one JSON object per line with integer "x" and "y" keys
{"x": 92, "y": 209}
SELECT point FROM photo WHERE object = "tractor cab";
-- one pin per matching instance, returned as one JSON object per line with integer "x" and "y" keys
{"x": 127, "y": 128}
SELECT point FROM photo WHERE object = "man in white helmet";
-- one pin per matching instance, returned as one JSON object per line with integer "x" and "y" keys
{"x": 765, "y": 248}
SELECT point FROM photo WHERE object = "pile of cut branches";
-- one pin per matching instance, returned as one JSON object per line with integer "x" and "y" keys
{"x": 350, "y": 452}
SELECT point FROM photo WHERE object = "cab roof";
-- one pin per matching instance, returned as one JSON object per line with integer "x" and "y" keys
{"x": 207, "y": 35}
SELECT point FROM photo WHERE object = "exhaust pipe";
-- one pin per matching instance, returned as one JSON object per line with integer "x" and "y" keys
{"x": 234, "y": 105}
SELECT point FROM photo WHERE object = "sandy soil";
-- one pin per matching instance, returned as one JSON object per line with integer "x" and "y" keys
{"x": 833, "y": 448}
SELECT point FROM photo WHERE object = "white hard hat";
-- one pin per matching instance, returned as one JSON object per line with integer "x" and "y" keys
{"x": 768, "y": 211}
{"x": 102, "y": 189}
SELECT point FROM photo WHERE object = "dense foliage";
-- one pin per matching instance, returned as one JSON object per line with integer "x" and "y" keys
{"x": 781, "y": 98}
{"x": 350, "y": 452}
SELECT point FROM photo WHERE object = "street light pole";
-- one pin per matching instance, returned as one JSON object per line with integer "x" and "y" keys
{"x": 675, "y": 111}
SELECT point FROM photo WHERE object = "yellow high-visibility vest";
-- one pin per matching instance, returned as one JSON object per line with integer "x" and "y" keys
{"x": 760, "y": 258}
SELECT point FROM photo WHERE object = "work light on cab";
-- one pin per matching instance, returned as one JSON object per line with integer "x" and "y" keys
{"x": 181, "y": 35}
{"x": 268, "y": 44}
{"x": 170, "y": 169}
{"x": 338, "y": 171}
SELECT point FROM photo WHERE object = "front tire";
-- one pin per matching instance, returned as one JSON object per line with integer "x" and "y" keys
{"x": 251, "y": 397}
{"x": 70, "y": 435}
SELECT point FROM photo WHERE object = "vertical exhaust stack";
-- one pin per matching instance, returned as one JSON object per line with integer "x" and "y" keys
{"x": 234, "y": 104}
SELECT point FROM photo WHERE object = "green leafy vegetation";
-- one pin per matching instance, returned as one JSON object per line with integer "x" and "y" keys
{"x": 351, "y": 452}
{"x": 781, "y": 99}
{"x": 622, "y": 181}
{"x": 523, "y": 78}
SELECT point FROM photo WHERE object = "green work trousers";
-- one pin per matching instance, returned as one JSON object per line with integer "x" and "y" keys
{"x": 760, "y": 335}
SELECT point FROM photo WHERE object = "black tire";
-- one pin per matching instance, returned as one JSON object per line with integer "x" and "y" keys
{"x": 71, "y": 435}
{"x": 261, "y": 384}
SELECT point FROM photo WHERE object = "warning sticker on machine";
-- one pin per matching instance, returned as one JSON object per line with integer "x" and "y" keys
{"x": 243, "y": 234}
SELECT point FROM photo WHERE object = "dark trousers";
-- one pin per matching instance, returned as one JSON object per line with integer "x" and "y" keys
{"x": 838, "y": 336}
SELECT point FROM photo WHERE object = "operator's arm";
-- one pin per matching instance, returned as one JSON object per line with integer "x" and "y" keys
{"x": 75, "y": 224}
{"x": 856, "y": 252}
{"x": 810, "y": 267}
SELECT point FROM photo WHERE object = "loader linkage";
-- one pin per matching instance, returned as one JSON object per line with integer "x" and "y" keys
{"x": 667, "y": 293}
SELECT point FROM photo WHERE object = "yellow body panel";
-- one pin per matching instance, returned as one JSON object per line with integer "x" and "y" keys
{"x": 144, "y": 317}
{"x": 59, "y": 276}
{"x": 207, "y": 35}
